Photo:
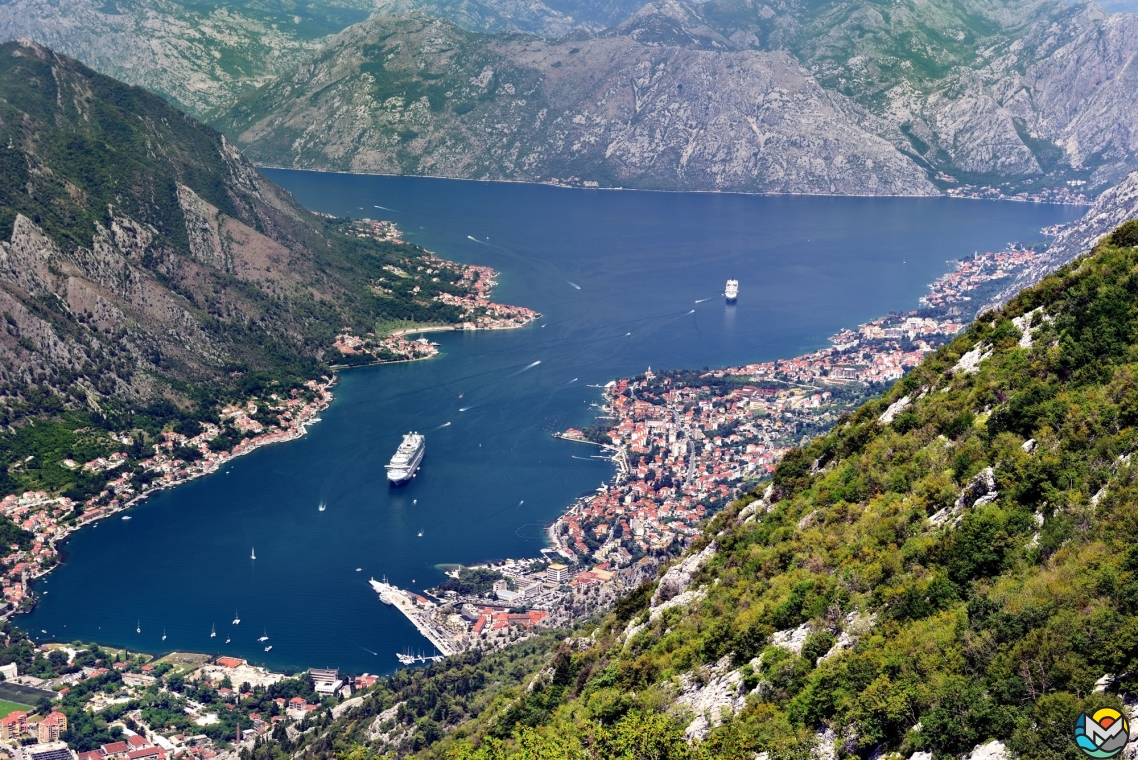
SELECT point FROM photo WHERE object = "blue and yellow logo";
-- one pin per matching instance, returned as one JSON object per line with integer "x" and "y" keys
{"x": 1103, "y": 734}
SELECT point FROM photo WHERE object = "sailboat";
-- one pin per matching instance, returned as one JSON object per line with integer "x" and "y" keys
{"x": 163, "y": 633}
{"x": 212, "y": 631}
{"x": 138, "y": 627}
{"x": 265, "y": 636}
{"x": 254, "y": 553}
{"x": 236, "y": 618}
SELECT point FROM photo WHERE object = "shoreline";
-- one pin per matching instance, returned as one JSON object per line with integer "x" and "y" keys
{"x": 246, "y": 446}
{"x": 657, "y": 190}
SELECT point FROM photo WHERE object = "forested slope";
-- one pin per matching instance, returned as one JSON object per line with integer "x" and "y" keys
{"x": 954, "y": 564}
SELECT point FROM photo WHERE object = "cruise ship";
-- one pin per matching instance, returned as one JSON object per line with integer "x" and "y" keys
{"x": 732, "y": 291}
{"x": 406, "y": 459}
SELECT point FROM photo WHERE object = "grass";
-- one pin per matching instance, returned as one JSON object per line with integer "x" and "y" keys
{"x": 7, "y": 708}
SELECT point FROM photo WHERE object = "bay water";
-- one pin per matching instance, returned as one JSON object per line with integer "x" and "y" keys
{"x": 625, "y": 280}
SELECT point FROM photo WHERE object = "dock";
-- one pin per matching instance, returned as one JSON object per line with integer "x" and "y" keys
{"x": 411, "y": 659}
{"x": 406, "y": 602}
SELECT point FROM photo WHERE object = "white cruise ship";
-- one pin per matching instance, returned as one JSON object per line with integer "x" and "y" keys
{"x": 732, "y": 291}
{"x": 406, "y": 459}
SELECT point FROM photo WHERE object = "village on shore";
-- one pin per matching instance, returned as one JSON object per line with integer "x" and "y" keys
{"x": 476, "y": 310}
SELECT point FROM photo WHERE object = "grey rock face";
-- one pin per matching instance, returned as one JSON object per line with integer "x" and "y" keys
{"x": 420, "y": 96}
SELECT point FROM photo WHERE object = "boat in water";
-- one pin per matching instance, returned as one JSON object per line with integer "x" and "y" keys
{"x": 269, "y": 648}
{"x": 732, "y": 291}
{"x": 406, "y": 459}
{"x": 384, "y": 589}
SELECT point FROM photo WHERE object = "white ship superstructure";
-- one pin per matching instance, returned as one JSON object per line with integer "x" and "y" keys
{"x": 406, "y": 460}
{"x": 732, "y": 291}
{"x": 385, "y": 590}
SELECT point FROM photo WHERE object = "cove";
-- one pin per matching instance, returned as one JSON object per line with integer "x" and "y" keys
{"x": 617, "y": 276}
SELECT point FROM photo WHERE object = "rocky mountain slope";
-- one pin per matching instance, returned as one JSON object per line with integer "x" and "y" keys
{"x": 203, "y": 55}
{"x": 415, "y": 95}
{"x": 951, "y": 572}
{"x": 144, "y": 258}
{"x": 1025, "y": 95}
{"x": 1019, "y": 94}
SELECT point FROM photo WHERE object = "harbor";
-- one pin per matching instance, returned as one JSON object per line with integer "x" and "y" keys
{"x": 494, "y": 478}
{"x": 417, "y": 609}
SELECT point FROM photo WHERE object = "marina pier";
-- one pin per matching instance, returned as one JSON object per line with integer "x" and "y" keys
{"x": 409, "y": 604}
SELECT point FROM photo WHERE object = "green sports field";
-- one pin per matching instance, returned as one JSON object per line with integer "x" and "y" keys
{"x": 7, "y": 707}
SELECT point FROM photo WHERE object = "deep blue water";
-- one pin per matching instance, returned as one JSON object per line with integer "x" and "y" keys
{"x": 617, "y": 275}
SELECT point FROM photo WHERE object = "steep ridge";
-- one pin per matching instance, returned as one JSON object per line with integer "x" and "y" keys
{"x": 144, "y": 258}
{"x": 415, "y": 95}
{"x": 953, "y": 567}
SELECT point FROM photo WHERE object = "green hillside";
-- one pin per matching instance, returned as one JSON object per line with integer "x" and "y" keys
{"x": 149, "y": 274}
{"x": 961, "y": 569}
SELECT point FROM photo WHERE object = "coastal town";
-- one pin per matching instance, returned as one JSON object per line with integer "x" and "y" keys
{"x": 687, "y": 443}
{"x": 1070, "y": 195}
{"x": 87, "y": 702}
{"x": 173, "y": 459}
{"x": 467, "y": 290}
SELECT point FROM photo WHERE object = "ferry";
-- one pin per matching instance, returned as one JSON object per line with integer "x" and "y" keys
{"x": 406, "y": 459}
{"x": 732, "y": 291}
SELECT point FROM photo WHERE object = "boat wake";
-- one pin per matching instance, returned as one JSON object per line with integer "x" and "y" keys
{"x": 440, "y": 427}
{"x": 476, "y": 240}
{"x": 464, "y": 408}
{"x": 578, "y": 287}
{"x": 701, "y": 300}
{"x": 385, "y": 208}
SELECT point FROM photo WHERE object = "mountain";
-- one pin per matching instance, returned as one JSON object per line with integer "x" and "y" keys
{"x": 1024, "y": 95}
{"x": 202, "y": 55}
{"x": 1027, "y": 96}
{"x": 952, "y": 571}
{"x": 145, "y": 259}
{"x": 416, "y": 95}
